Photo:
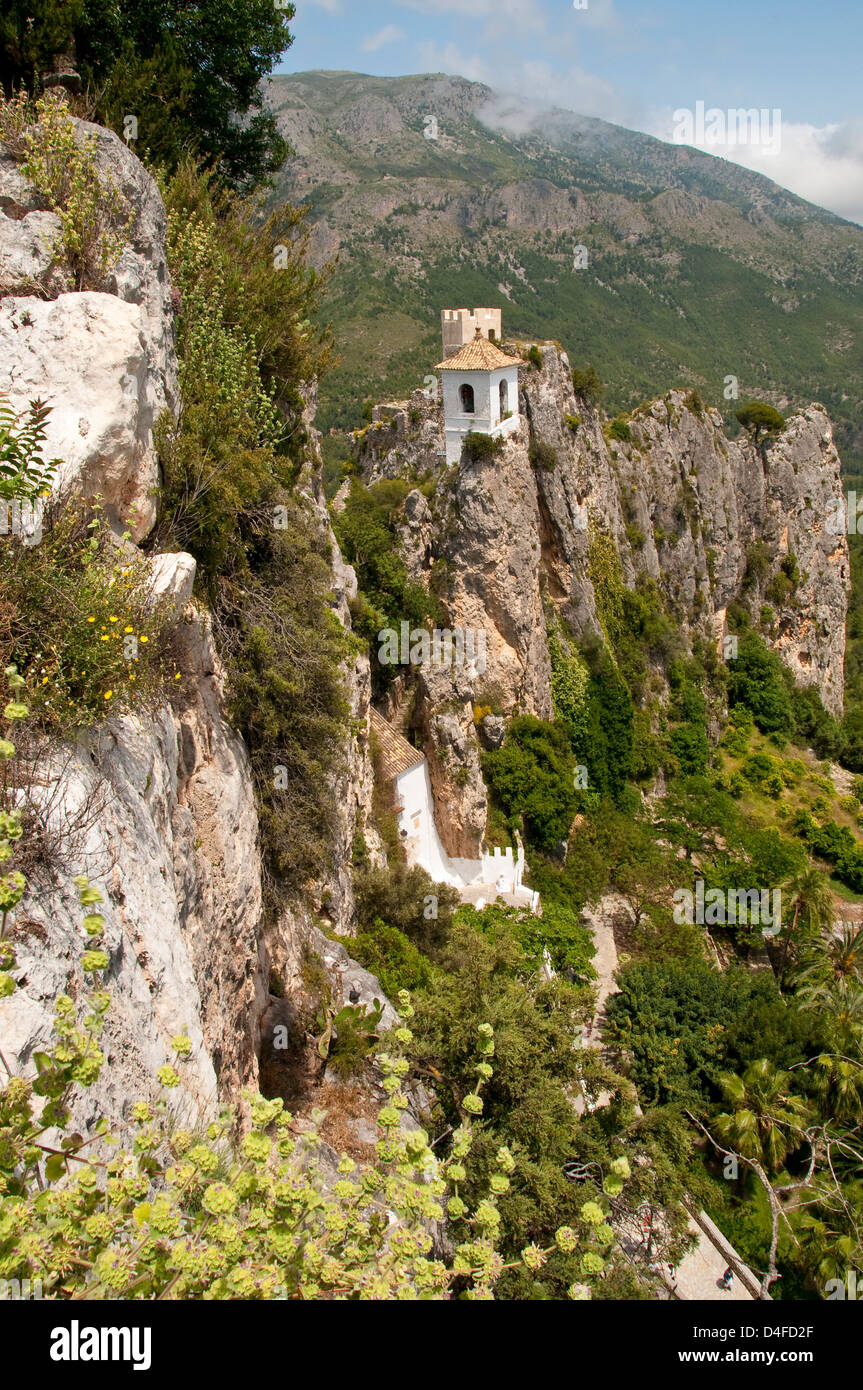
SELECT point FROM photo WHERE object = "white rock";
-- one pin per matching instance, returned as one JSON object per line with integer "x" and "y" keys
{"x": 173, "y": 576}
{"x": 88, "y": 356}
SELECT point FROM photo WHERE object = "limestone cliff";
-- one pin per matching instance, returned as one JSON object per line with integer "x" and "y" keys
{"x": 159, "y": 811}
{"x": 680, "y": 502}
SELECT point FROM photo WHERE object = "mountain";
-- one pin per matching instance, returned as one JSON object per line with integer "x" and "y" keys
{"x": 698, "y": 270}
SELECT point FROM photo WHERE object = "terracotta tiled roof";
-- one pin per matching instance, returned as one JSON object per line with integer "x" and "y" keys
{"x": 398, "y": 755}
{"x": 478, "y": 356}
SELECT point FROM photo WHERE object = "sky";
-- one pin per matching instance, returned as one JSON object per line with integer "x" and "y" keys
{"x": 638, "y": 64}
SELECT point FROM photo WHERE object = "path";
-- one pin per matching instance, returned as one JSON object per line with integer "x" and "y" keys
{"x": 698, "y": 1277}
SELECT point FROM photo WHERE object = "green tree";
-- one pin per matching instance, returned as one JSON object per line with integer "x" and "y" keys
{"x": 766, "y": 1119}
{"x": 756, "y": 680}
{"x": 532, "y": 777}
{"x": 811, "y": 908}
{"x": 761, "y": 421}
{"x": 191, "y": 73}
{"x": 586, "y": 383}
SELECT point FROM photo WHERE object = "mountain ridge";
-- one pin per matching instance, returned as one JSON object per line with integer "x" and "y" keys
{"x": 699, "y": 270}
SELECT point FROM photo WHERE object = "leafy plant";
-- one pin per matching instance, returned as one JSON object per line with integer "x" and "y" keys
{"x": 24, "y": 474}
{"x": 82, "y": 624}
{"x": 61, "y": 164}
{"x": 480, "y": 448}
{"x": 586, "y": 383}
{"x": 619, "y": 429}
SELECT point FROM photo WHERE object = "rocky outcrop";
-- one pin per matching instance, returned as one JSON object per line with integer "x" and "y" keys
{"x": 159, "y": 811}
{"x": 103, "y": 360}
{"x": 709, "y": 519}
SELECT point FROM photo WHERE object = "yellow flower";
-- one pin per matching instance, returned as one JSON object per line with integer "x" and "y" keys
{"x": 113, "y": 620}
{"x": 91, "y": 620}
{"x": 128, "y": 629}
{"x": 178, "y": 677}
{"x": 108, "y": 694}
{"x": 44, "y": 680}
{"x": 145, "y": 639}
{"x": 104, "y": 639}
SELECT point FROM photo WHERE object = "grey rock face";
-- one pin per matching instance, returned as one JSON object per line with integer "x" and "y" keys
{"x": 680, "y": 503}
{"x": 104, "y": 359}
{"x": 159, "y": 813}
{"x": 492, "y": 731}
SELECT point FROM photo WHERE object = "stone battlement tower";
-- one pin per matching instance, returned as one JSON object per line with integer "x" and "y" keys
{"x": 460, "y": 327}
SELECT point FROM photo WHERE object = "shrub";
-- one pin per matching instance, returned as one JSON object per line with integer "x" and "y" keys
{"x": 690, "y": 747}
{"x": 534, "y": 357}
{"x": 757, "y": 562}
{"x": 480, "y": 448}
{"x": 608, "y": 746}
{"x": 81, "y": 624}
{"x": 542, "y": 455}
{"x": 392, "y": 957}
{"x": 408, "y": 900}
{"x": 784, "y": 582}
{"x": 60, "y": 163}
{"x": 735, "y": 741}
{"x": 246, "y": 345}
{"x": 367, "y": 532}
{"x": 532, "y": 776}
{"x": 586, "y": 383}
{"x": 558, "y": 931}
{"x": 692, "y": 401}
{"x": 283, "y": 647}
{"x": 573, "y": 422}
{"x": 619, "y": 429}
{"x": 570, "y": 680}
{"x": 756, "y": 680}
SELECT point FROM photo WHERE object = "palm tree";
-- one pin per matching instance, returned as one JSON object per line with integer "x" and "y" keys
{"x": 839, "y": 1084}
{"x": 812, "y": 905}
{"x": 831, "y": 961}
{"x": 765, "y": 1119}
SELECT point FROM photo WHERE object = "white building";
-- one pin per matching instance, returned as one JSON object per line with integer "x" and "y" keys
{"x": 459, "y": 327}
{"x": 480, "y": 881}
{"x": 480, "y": 393}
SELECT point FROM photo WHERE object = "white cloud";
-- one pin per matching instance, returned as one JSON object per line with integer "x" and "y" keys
{"x": 389, "y": 34}
{"x": 435, "y": 57}
{"x": 530, "y": 14}
{"x": 823, "y": 164}
{"x": 331, "y": 6}
{"x": 600, "y": 14}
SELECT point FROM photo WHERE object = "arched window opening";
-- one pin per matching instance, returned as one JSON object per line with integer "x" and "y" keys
{"x": 504, "y": 399}
{"x": 467, "y": 400}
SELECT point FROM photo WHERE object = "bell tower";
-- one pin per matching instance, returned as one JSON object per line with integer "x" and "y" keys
{"x": 480, "y": 381}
